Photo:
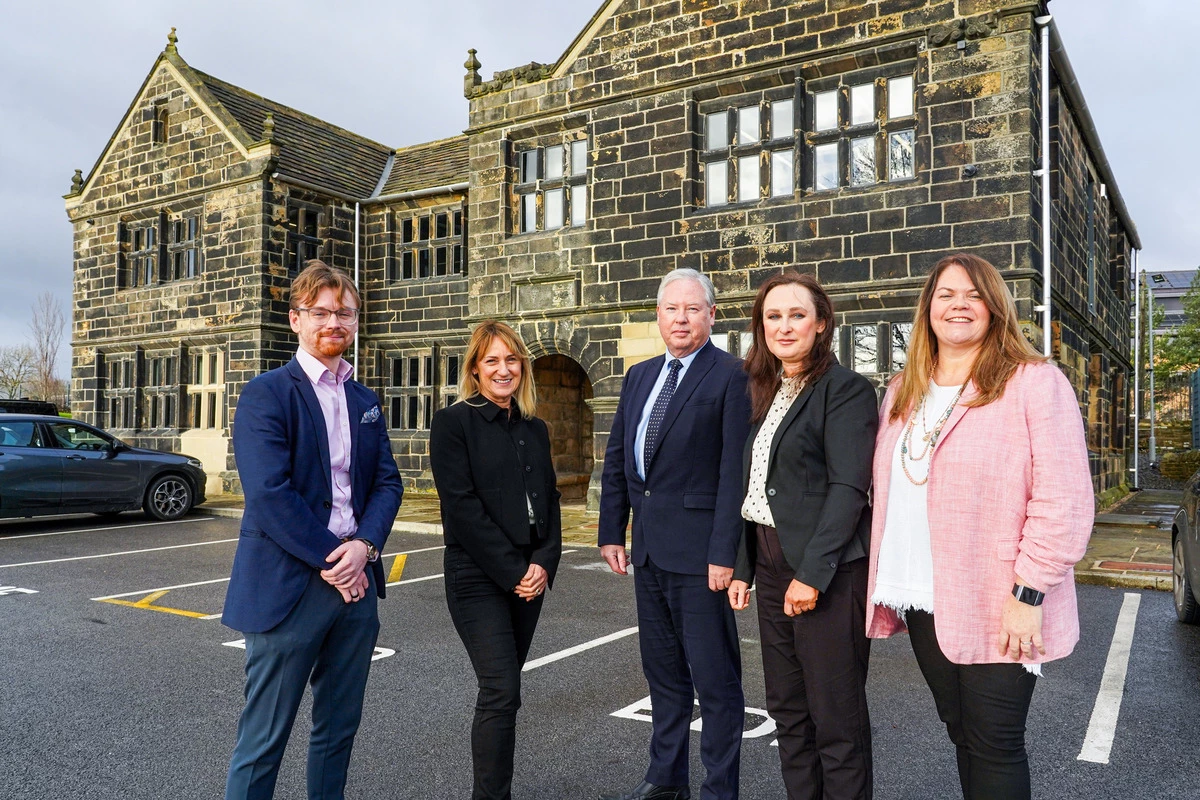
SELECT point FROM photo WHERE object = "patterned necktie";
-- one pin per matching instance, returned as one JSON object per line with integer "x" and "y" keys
{"x": 659, "y": 411}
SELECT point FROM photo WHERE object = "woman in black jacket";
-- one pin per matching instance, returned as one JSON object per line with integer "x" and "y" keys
{"x": 500, "y": 517}
{"x": 808, "y": 528}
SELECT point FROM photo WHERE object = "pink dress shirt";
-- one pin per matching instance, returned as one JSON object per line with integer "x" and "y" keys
{"x": 331, "y": 394}
{"x": 1009, "y": 492}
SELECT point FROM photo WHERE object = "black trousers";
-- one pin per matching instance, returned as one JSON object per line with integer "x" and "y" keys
{"x": 984, "y": 707}
{"x": 815, "y": 665}
{"x": 497, "y": 628}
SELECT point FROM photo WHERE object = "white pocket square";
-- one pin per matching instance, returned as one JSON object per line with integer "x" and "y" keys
{"x": 370, "y": 416}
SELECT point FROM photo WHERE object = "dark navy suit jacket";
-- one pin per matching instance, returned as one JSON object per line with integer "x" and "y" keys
{"x": 282, "y": 450}
{"x": 687, "y": 512}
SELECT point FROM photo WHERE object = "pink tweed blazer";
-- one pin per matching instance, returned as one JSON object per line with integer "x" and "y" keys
{"x": 1009, "y": 493}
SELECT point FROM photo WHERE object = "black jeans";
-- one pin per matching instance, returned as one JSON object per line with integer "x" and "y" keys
{"x": 497, "y": 628}
{"x": 815, "y": 667}
{"x": 984, "y": 707}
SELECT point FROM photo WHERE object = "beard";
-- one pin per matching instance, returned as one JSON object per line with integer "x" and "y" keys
{"x": 331, "y": 347}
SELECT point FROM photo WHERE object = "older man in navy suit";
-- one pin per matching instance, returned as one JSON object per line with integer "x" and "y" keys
{"x": 674, "y": 459}
{"x": 322, "y": 491}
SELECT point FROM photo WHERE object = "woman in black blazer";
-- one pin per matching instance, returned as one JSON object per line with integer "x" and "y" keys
{"x": 807, "y": 472}
{"x": 500, "y": 517}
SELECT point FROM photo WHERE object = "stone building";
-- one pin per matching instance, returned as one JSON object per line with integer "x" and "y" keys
{"x": 859, "y": 140}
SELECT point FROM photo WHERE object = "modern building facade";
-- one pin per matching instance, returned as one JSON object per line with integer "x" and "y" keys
{"x": 857, "y": 140}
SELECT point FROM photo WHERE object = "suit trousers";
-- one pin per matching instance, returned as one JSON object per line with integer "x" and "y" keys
{"x": 689, "y": 645}
{"x": 497, "y": 628}
{"x": 984, "y": 707}
{"x": 815, "y": 668}
{"x": 327, "y": 641}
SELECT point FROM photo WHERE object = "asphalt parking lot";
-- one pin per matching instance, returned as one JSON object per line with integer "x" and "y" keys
{"x": 120, "y": 682}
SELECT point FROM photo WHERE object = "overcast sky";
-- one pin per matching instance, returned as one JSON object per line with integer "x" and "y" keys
{"x": 392, "y": 71}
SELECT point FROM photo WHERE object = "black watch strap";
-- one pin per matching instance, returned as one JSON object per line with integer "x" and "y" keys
{"x": 1027, "y": 595}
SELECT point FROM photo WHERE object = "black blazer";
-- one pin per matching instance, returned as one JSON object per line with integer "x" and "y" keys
{"x": 483, "y": 467}
{"x": 818, "y": 479}
{"x": 686, "y": 513}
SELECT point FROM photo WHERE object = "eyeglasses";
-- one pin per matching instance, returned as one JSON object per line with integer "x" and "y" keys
{"x": 346, "y": 316}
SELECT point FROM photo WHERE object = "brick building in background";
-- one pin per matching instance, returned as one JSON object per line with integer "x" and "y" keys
{"x": 860, "y": 140}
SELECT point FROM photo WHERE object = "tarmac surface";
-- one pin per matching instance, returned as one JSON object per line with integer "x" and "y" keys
{"x": 121, "y": 683}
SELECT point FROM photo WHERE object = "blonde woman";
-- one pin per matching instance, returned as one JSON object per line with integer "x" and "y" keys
{"x": 983, "y": 504}
{"x": 500, "y": 516}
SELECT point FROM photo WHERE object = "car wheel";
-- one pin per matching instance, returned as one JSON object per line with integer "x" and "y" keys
{"x": 169, "y": 497}
{"x": 1186, "y": 607}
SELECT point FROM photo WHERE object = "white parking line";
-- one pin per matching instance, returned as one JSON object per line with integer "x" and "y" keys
{"x": 1097, "y": 744}
{"x": 111, "y": 555}
{"x": 108, "y": 528}
{"x": 579, "y": 648}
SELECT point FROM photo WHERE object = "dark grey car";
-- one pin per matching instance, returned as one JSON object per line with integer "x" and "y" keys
{"x": 1185, "y": 552}
{"x": 51, "y": 465}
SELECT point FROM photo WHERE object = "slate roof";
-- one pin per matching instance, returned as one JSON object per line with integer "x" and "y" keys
{"x": 311, "y": 150}
{"x": 424, "y": 166}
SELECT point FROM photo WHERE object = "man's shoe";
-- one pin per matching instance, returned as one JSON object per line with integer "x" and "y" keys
{"x": 648, "y": 791}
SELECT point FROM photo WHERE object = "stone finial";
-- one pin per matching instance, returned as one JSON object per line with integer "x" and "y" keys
{"x": 172, "y": 41}
{"x": 472, "y": 78}
{"x": 268, "y": 132}
{"x": 77, "y": 182}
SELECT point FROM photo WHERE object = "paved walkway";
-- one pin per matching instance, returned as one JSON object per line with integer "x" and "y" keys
{"x": 1130, "y": 545}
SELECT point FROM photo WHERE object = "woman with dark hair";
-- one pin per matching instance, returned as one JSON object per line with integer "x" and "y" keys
{"x": 983, "y": 504}
{"x": 500, "y": 517}
{"x": 808, "y": 522}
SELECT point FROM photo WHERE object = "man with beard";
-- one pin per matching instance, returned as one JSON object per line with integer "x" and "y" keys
{"x": 322, "y": 491}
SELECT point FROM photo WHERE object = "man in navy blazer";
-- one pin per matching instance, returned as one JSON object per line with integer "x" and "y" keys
{"x": 674, "y": 460}
{"x": 322, "y": 491}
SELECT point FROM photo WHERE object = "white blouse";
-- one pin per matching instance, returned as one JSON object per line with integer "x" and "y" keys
{"x": 755, "y": 508}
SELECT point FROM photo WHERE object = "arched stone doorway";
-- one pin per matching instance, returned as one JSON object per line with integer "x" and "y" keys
{"x": 563, "y": 391}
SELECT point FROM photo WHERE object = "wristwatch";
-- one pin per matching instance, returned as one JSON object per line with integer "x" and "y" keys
{"x": 373, "y": 554}
{"x": 1027, "y": 595}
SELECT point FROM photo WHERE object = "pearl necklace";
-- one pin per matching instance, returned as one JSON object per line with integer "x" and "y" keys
{"x": 930, "y": 438}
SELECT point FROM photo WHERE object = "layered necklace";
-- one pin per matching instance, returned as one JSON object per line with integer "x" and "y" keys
{"x": 929, "y": 438}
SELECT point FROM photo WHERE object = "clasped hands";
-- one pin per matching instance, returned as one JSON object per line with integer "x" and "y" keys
{"x": 533, "y": 584}
{"x": 349, "y": 571}
{"x": 800, "y": 597}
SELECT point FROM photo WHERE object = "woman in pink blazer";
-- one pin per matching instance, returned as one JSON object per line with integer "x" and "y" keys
{"x": 983, "y": 505}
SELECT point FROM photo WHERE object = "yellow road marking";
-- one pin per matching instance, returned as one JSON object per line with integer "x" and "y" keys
{"x": 147, "y": 602}
{"x": 397, "y": 568}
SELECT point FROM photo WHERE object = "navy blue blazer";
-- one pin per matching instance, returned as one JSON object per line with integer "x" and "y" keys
{"x": 687, "y": 512}
{"x": 282, "y": 451}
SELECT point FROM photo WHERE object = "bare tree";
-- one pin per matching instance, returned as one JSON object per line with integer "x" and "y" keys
{"x": 46, "y": 330}
{"x": 16, "y": 370}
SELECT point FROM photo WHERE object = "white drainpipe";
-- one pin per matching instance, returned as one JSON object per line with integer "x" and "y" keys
{"x": 1044, "y": 173}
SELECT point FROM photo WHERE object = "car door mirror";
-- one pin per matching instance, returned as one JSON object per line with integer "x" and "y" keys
{"x": 116, "y": 447}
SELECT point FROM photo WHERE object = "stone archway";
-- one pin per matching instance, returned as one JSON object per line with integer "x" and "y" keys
{"x": 563, "y": 391}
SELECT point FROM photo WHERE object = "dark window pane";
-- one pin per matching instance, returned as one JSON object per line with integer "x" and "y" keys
{"x": 428, "y": 404}
{"x": 528, "y": 166}
{"x": 451, "y": 371}
{"x": 442, "y": 260}
{"x": 408, "y": 263}
{"x": 397, "y": 372}
{"x": 310, "y": 222}
{"x": 411, "y": 422}
{"x": 450, "y": 398}
{"x": 424, "y": 263}
{"x": 424, "y": 229}
{"x": 414, "y": 372}
{"x": 458, "y": 223}
{"x": 211, "y": 421}
{"x": 428, "y": 377}
{"x": 397, "y": 420}
{"x": 458, "y": 259}
{"x": 407, "y": 230}
{"x": 443, "y": 226}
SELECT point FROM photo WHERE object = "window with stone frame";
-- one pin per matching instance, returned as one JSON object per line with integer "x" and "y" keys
{"x": 183, "y": 247}
{"x": 861, "y": 131}
{"x": 120, "y": 390}
{"x": 410, "y": 391}
{"x": 749, "y": 148}
{"x": 141, "y": 251}
{"x": 451, "y": 362}
{"x": 160, "y": 391}
{"x": 864, "y": 348}
{"x": 206, "y": 388}
{"x": 158, "y": 126}
{"x": 432, "y": 244}
{"x": 305, "y": 224}
{"x": 550, "y": 188}
{"x": 900, "y": 336}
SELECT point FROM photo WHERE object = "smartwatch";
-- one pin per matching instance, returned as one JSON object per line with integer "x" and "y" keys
{"x": 1028, "y": 595}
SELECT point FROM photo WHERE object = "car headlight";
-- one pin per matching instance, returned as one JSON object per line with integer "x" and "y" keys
{"x": 195, "y": 462}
